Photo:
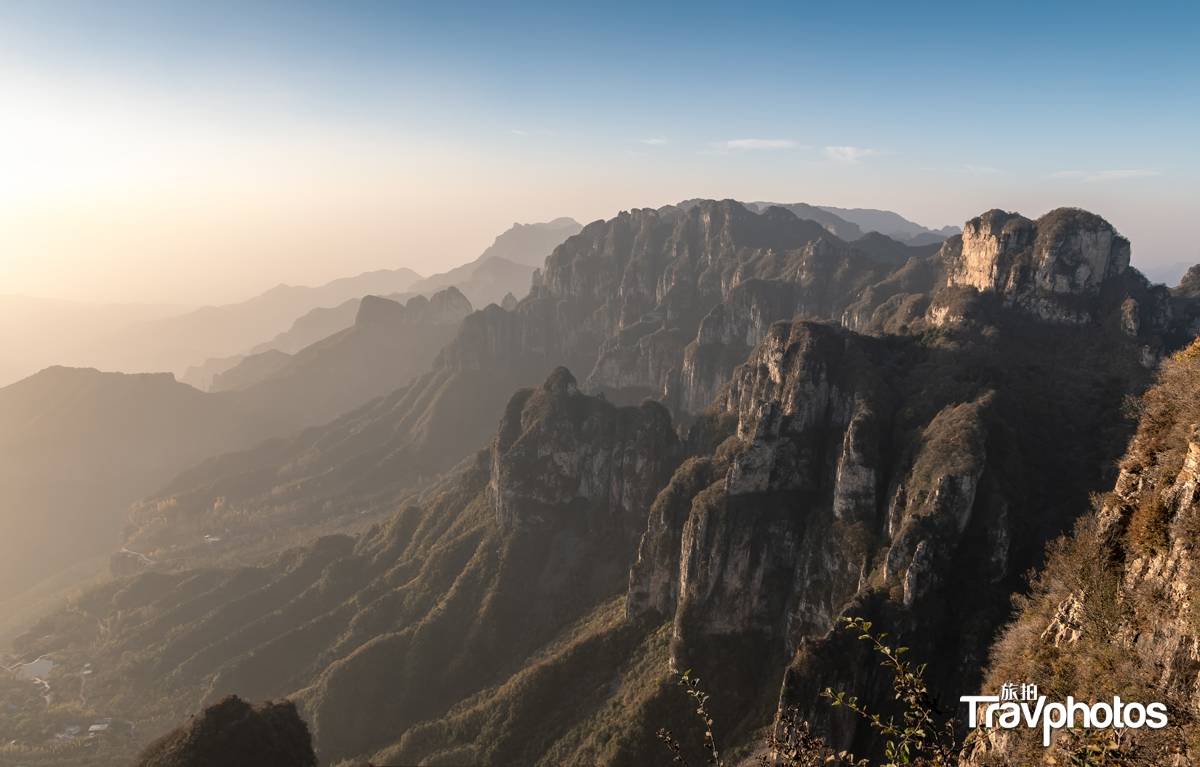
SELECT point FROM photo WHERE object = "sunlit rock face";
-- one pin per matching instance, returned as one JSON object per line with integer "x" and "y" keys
{"x": 1038, "y": 265}
{"x": 779, "y": 543}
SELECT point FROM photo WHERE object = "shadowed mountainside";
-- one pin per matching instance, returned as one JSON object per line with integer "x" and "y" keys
{"x": 1114, "y": 611}
{"x": 233, "y": 733}
{"x": 78, "y": 447}
{"x": 659, "y": 303}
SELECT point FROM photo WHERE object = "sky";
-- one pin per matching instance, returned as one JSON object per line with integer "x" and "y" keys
{"x": 194, "y": 153}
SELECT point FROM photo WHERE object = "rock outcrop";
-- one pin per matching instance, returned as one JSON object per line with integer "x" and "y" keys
{"x": 859, "y": 480}
{"x": 1189, "y": 284}
{"x": 557, "y": 448}
{"x": 702, "y": 283}
{"x": 1067, "y": 252}
{"x": 1114, "y": 611}
{"x": 234, "y": 733}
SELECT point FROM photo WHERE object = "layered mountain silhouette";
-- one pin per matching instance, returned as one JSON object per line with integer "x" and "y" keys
{"x": 172, "y": 344}
{"x": 852, "y": 223}
{"x": 504, "y": 268}
{"x": 529, "y": 244}
{"x": 36, "y": 333}
{"x": 79, "y": 446}
{"x": 507, "y": 265}
{"x": 892, "y": 225}
{"x": 767, "y": 428}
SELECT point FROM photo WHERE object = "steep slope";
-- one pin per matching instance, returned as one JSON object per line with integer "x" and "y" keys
{"x": 1114, "y": 611}
{"x": 453, "y": 595}
{"x": 652, "y": 283}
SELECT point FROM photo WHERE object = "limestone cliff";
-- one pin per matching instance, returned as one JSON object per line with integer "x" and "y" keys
{"x": 907, "y": 481}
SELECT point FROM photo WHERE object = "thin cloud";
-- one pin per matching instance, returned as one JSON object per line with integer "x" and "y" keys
{"x": 518, "y": 132}
{"x": 849, "y": 153}
{"x": 1105, "y": 175}
{"x": 1113, "y": 175}
{"x": 986, "y": 170}
{"x": 751, "y": 144}
{"x": 652, "y": 141}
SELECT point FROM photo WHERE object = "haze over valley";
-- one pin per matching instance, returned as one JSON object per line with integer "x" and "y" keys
{"x": 644, "y": 385}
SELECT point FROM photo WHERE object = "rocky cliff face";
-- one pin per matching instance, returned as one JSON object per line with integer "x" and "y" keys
{"x": 1189, "y": 285}
{"x": 859, "y": 480}
{"x": 1054, "y": 267}
{"x": 557, "y": 448}
{"x": 1067, "y": 267}
{"x": 1114, "y": 612}
{"x": 677, "y": 296}
{"x": 1066, "y": 251}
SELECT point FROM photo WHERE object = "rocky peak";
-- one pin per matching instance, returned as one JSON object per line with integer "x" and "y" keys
{"x": 1189, "y": 284}
{"x": 1042, "y": 266}
{"x": 564, "y": 458}
{"x": 376, "y": 311}
{"x": 445, "y": 306}
{"x": 449, "y": 305}
{"x": 235, "y": 733}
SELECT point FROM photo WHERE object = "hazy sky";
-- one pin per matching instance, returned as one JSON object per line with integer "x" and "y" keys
{"x": 201, "y": 152}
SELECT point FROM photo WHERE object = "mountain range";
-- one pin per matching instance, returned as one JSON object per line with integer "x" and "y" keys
{"x": 705, "y": 435}
{"x": 79, "y": 446}
{"x": 503, "y": 269}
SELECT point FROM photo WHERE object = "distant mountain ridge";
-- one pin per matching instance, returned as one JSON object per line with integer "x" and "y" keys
{"x": 505, "y": 267}
{"x": 852, "y": 223}
{"x": 36, "y": 333}
{"x": 78, "y": 446}
{"x": 836, "y": 428}
{"x": 174, "y": 343}
{"x": 529, "y": 244}
{"x": 892, "y": 224}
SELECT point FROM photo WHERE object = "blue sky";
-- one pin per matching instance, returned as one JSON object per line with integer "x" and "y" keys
{"x": 294, "y": 142}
